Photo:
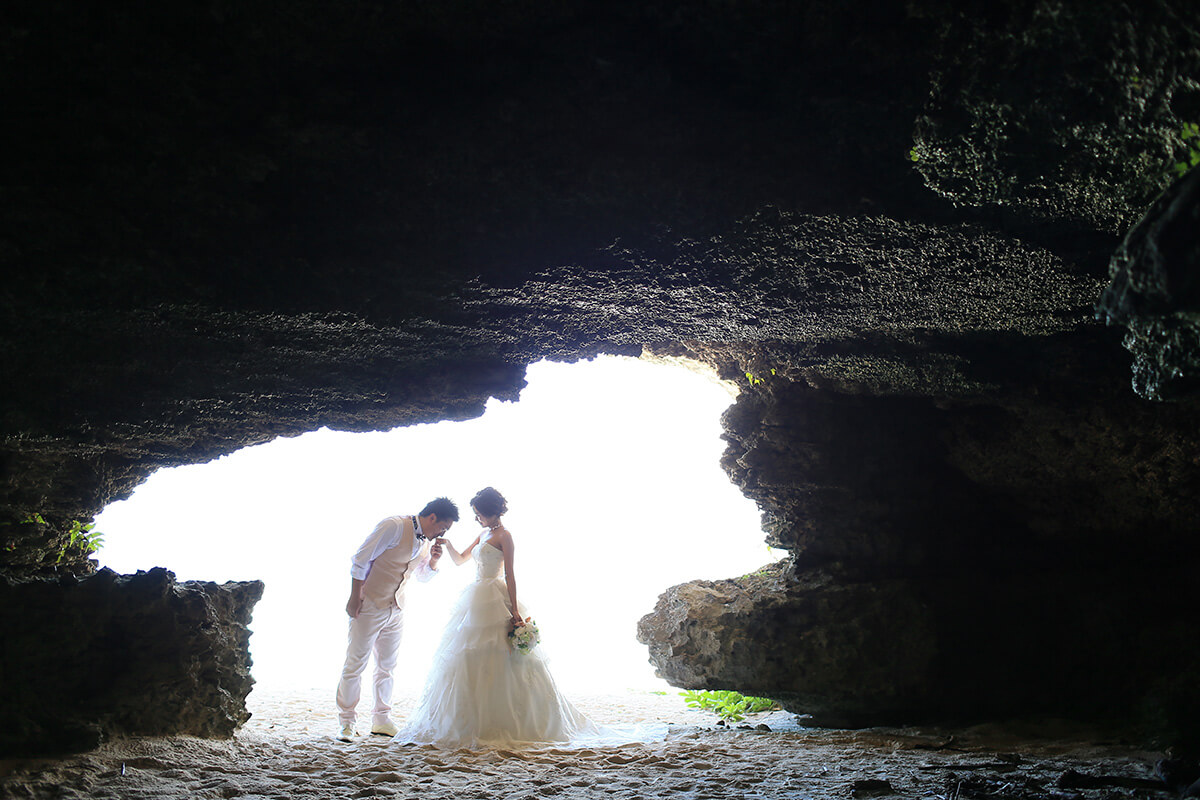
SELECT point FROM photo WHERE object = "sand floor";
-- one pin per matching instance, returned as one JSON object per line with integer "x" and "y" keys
{"x": 288, "y": 751}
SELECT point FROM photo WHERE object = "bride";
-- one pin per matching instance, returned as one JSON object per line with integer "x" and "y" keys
{"x": 480, "y": 691}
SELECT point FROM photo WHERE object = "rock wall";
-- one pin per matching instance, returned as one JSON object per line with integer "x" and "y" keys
{"x": 83, "y": 659}
{"x": 1154, "y": 292}
{"x": 953, "y": 559}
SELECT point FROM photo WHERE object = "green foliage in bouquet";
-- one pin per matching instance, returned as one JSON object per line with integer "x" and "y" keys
{"x": 525, "y": 637}
{"x": 729, "y": 706}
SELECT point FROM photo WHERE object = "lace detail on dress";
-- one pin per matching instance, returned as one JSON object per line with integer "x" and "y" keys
{"x": 489, "y": 562}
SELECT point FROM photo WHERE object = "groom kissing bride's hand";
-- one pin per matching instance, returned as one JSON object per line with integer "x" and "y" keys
{"x": 478, "y": 693}
{"x": 400, "y": 547}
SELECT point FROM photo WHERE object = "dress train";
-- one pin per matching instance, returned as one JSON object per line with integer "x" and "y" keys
{"x": 482, "y": 693}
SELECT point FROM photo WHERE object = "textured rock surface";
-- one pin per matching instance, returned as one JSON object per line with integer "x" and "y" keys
{"x": 841, "y": 652}
{"x": 994, "y": 131}
{"x": 1154, "y": 291}
{"x": 971, "y": 645}
{"x": 84, "y": 659}
{"x": 893, "y": 485}
{"x": 951, "y": 544}
{"x": 227, "y": 222}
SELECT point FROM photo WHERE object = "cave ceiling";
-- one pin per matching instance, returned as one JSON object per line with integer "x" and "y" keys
{"x": 232, "y": 221}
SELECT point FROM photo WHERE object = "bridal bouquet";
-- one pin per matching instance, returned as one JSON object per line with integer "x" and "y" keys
{"x": 524, "y": 638}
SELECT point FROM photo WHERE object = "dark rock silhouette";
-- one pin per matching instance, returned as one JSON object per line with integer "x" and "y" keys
{"x": 86, "y": 659}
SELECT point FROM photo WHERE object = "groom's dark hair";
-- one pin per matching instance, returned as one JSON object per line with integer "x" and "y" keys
{"x": 442, "y": 506}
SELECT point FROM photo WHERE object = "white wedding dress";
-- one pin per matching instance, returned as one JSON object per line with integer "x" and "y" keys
{"x": 480, "y": 692}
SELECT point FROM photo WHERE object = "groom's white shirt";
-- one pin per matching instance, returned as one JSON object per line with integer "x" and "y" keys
{"x": 387, "y": 534}
{"x": 383, "y": 564}
{"x": 381, "y": 552}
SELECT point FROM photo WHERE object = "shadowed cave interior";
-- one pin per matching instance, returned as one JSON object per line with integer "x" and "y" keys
{"x": 944, "y": 249}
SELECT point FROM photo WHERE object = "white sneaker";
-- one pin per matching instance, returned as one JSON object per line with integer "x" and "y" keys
{"x": 347, "y": 733}
{"x": 385, "y": 728}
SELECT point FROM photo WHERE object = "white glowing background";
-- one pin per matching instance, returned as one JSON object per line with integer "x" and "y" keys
{"x": 610, "y": 468}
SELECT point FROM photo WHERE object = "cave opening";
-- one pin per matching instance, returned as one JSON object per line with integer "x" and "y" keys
{"x": 611, "y": 468}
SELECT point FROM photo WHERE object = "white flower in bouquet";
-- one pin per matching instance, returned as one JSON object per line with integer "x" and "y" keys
{"x": 525, "y": 637}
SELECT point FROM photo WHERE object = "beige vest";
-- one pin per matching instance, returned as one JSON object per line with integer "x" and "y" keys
{"x": 384, "y": 585}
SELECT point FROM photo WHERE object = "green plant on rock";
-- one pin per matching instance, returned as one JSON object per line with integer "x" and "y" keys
{"x": 729, "y": 706}
{"x": 761, "y": 572}
{"x": 1191, "y": 137}
{"x": 754, "y": 379}
{"x": 82, "y": 537}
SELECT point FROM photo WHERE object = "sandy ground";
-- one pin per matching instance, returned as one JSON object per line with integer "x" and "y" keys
{"x": 288, "y": 751}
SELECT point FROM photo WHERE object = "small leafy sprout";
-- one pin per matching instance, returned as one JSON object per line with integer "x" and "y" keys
{"x": 754, "y": 379}
{"x": 729, "y": 706}
{"x": 83, "y": 537}
{"x": 33, "y": 519}
{"x": 761, "y": 572}
{"x": 1190, "y": 133}
{"x": 91, "y": 539}
{"x": 913, "y": 155}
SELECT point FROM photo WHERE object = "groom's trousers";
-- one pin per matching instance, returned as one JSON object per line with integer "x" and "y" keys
{"x": 374, "y": 629}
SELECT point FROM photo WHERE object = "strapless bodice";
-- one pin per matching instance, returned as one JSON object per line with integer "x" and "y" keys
{"x": 489, "y": 562}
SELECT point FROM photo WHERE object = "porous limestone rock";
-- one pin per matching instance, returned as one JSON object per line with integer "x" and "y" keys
{"x": 1154, "y": 291}
{"x": 84, "y": 659}
{"x": 936, "y": 549}
{"x": 1007, "y": 77}
{"x": 839, "y": 653}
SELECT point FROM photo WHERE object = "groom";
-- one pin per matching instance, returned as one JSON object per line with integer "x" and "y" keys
{"x": 397, "y": 548}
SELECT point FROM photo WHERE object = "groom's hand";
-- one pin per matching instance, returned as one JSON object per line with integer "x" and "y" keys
{"x": 354, "y": 604}
{"x": 435, "y": 551}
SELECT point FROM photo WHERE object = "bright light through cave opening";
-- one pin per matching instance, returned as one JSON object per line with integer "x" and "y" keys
{"x": 611, "y": 469}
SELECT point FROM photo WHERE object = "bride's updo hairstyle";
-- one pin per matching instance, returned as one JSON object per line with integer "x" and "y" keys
{"x": 489, "y": 502}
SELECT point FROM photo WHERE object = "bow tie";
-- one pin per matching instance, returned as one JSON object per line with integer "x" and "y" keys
{"x": 417, "y": 531}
